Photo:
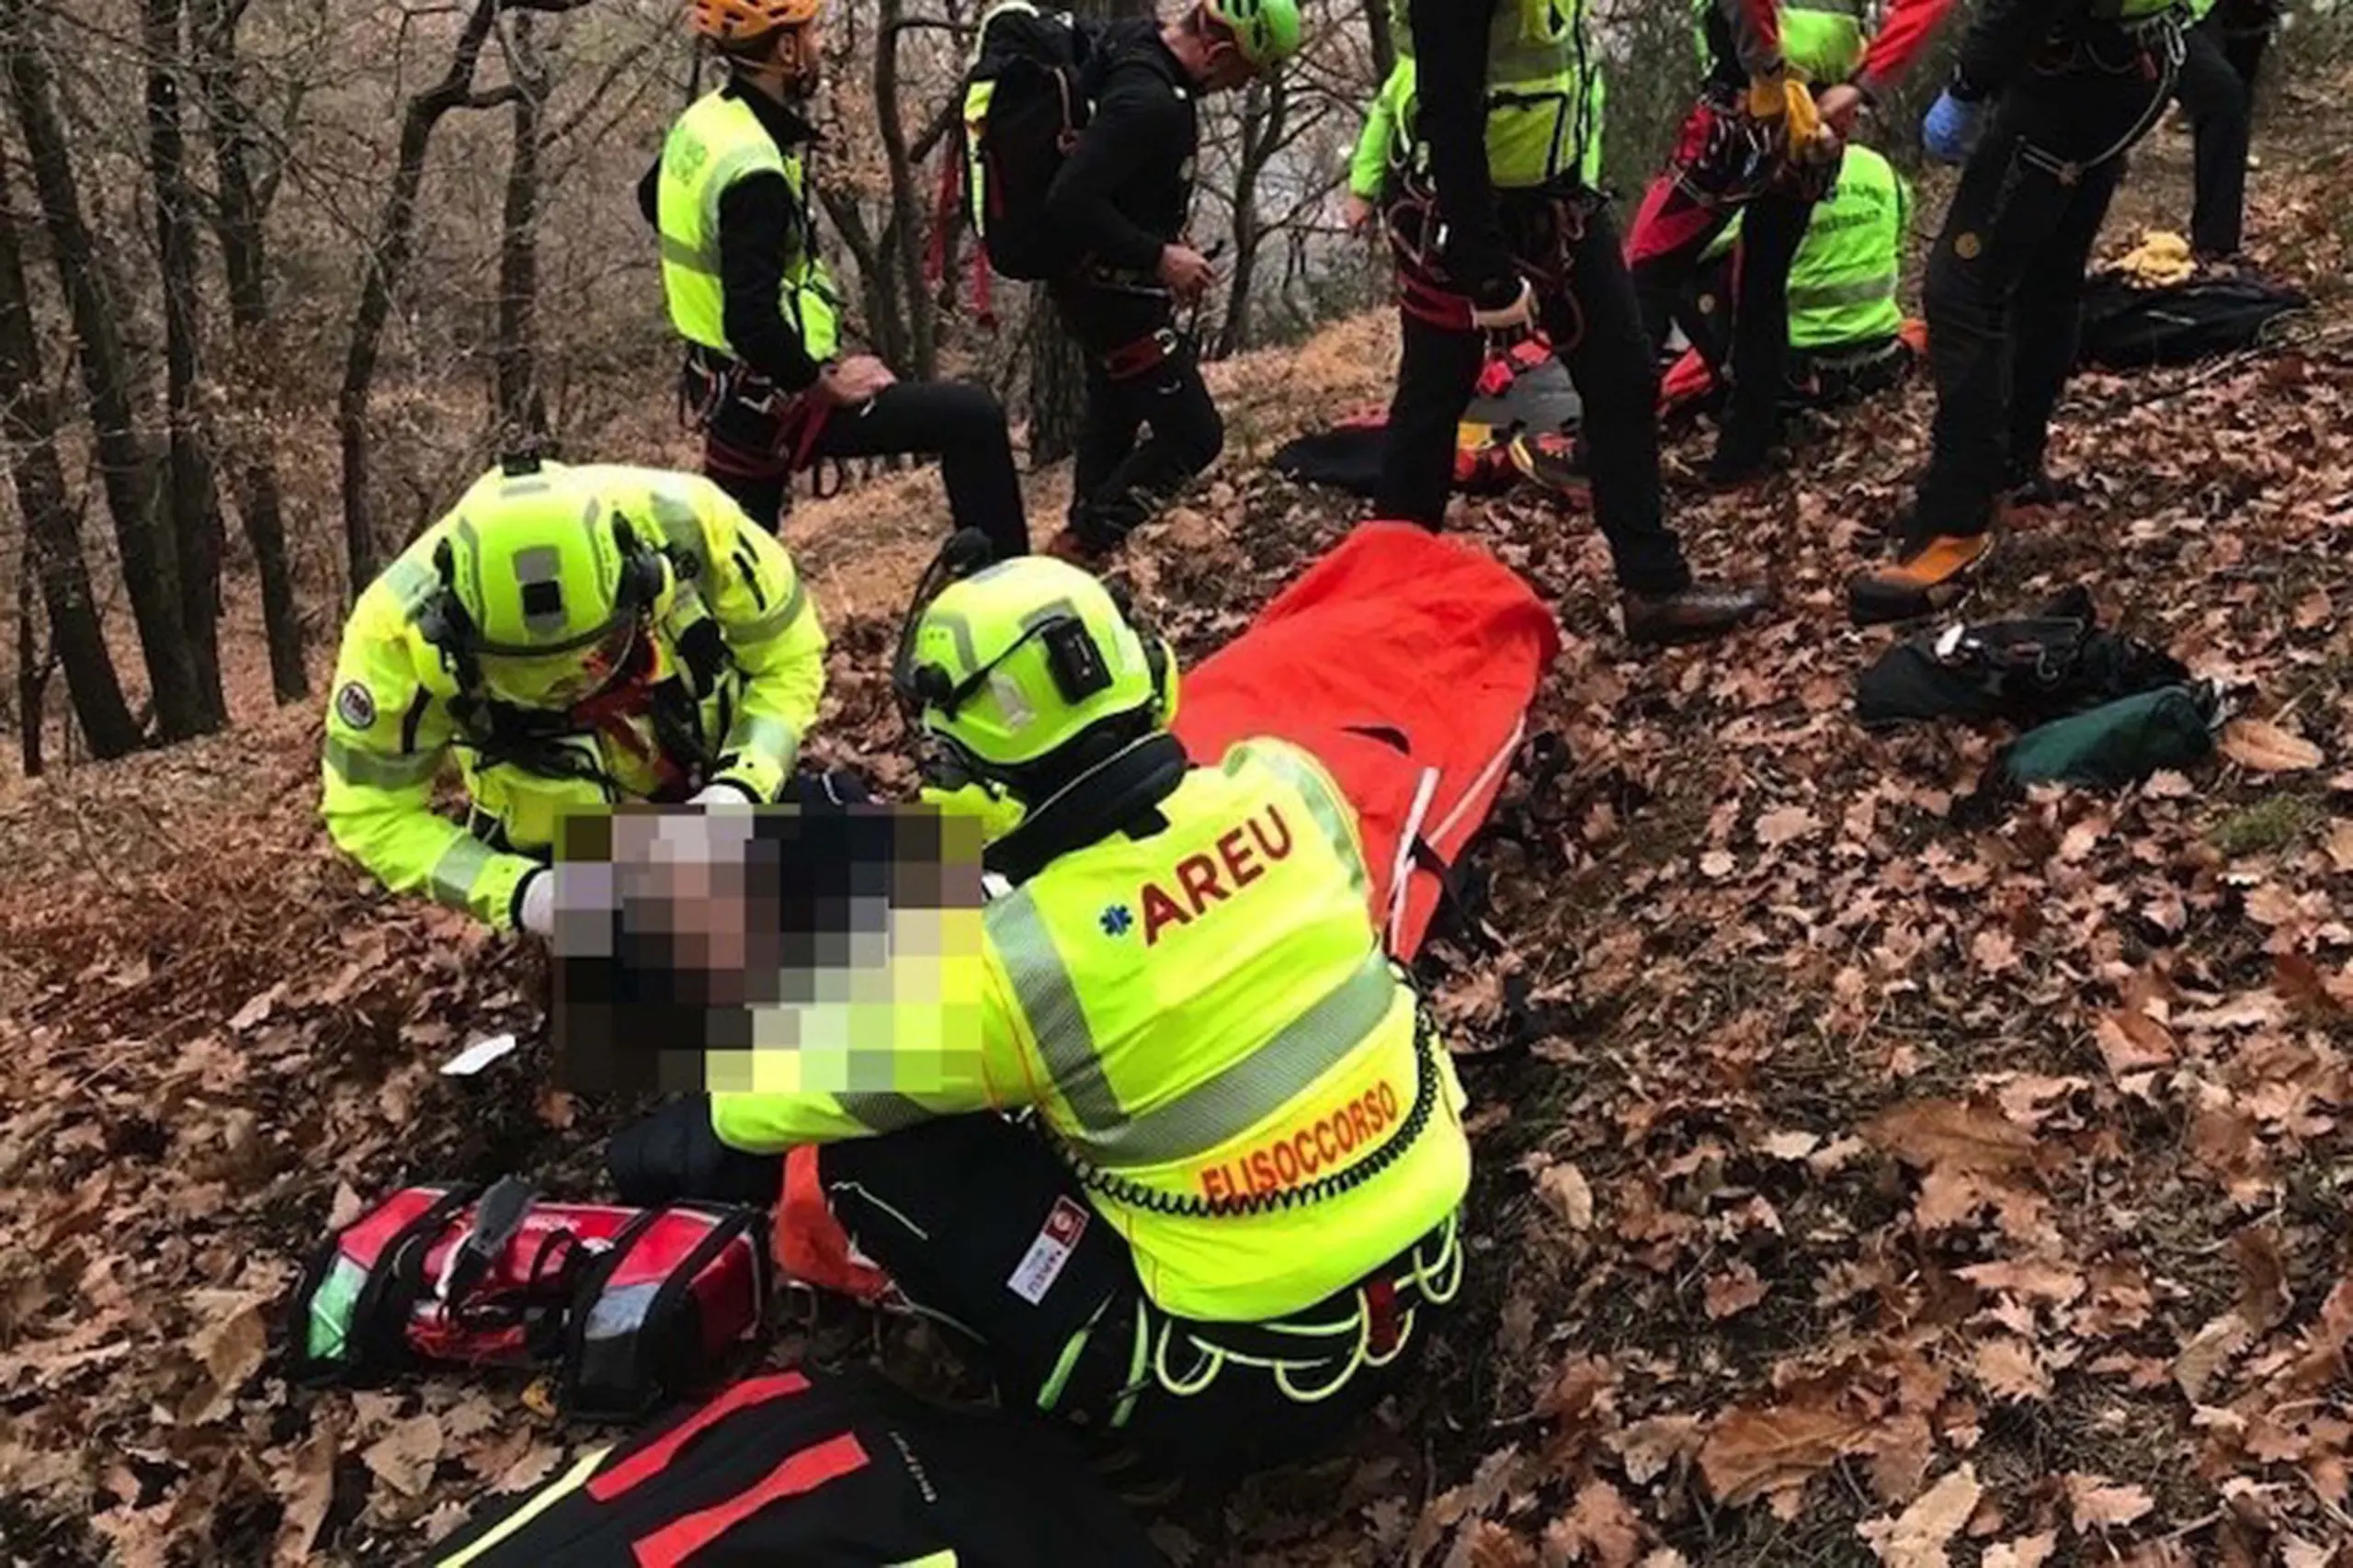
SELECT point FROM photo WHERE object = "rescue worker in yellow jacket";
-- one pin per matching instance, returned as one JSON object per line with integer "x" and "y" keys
{"x": 767, "y": 383}
{"x": 1195, "y": 1184}
{"x": 570, "y": 638}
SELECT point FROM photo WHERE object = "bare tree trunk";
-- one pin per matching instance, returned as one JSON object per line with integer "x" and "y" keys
{"x": 194, "y": 498}
{"x": 906, "y": 208}
{"x": 522, "y": 408}
{"x": 877, "y": 278}
{"x": 33, "y": 668}
{"x": 150, "y": 559}
{"x": 388, "y": 259}
{"x": 1263, "y": 123}
{"x": 52, "y": 553}
{"x": 1057, "y": 383}
{"x": 1383, "y": 39}
{"x": 239, "y": 210}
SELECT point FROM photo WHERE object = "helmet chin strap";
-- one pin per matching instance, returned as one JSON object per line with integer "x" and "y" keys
{"x": 1123, "y": 790}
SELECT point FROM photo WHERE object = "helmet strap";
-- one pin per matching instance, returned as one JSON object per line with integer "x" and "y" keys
{"x": 1118, "y": 792}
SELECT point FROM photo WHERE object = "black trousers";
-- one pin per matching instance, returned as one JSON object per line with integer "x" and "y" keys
{"x": 2004, "y": 293}
{"x": 962, "y": 425}
{"x": 1123, "y": 475}
{"x": 1590, "y": 312}
{"x": 957, "y": 1212}
{"x": 1666, "y": 261}
{"x": 2217, "y": 90}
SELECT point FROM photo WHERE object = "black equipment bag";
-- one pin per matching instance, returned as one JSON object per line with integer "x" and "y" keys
{"x": 817, "y": 1472}
{"x": 2053, "y": 663}
{"x": 2126, "y": 328}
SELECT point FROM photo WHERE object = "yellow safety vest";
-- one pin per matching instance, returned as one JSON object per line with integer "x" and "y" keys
{"x": 717, "y": 143}
{"x": 1544, "y": 94}
{"x": 1843, "y": 281}
{"x": 1234, "y": 1064}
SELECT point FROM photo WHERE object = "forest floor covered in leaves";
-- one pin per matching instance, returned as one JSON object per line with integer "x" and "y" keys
{"x": 1865, "y": 1177}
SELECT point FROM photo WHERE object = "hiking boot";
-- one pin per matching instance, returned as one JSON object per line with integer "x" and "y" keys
{"x": 1693, "y": 615}
{"x": 2040, "y": 487}
{"x": 1129, "y": 1476}
{"x": 1552, "y": 461}
{"x": 1927, "y": 577}
{"x": 1068, "y": 546}
{"x": 1737, "y": 464}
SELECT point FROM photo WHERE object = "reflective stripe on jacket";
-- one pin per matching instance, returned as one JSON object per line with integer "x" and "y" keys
{"x": 717, "y": 143}
{"x": 1205, "y": 1017}
{"x": 391, "y": 728}
{"x": 1388, "y": 140}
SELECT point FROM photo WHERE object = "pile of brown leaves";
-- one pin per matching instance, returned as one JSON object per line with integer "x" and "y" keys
{"x": 1859, "y": 1183}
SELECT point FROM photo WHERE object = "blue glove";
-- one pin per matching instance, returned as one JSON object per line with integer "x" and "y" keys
{"x": 1949, "y": 133}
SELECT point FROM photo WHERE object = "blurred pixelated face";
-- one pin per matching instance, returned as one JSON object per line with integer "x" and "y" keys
{"x": 772, "y": 949}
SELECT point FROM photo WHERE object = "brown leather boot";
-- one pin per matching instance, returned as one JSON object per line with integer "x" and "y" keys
{"x": 1068, "y": 546}
{"x": 1694, "y": 615}
{"x": 1926, "y": 576}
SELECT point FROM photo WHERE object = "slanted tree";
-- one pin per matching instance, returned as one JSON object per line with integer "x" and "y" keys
{"x": 52, "y": 547}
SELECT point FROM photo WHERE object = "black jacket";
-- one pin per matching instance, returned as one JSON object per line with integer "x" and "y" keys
{"x": 760, "y": 224}
{"x": 2007, "y": 33}
{"x": 1126, "y": 189}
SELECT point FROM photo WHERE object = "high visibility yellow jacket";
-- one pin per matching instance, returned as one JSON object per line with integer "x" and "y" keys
{"x": 715, "y": 143}
{"x": 1206, "y": 1024}
{"x": 1543, "y": 87}
{"x": 1388, "y": 138}
{"x": 1843, "y": 280}
{"x": 398, "y": 717}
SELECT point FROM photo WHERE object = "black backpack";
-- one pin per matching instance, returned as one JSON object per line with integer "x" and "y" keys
{"x": 1024, "y": 106}
{"x": 2126, "y": 327}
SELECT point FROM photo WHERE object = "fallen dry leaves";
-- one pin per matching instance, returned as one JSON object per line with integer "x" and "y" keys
{"x": 1863, "y": 1168}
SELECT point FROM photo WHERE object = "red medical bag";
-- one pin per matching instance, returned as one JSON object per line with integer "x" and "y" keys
{"x": 634, "y": 1306}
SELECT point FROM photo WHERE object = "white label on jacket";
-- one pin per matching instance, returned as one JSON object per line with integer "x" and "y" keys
{"x": 1043, "y": 1264}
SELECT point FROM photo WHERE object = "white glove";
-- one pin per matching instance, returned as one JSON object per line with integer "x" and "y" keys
{"x": 722, "y": 793}
{"x": 536, "y": 911}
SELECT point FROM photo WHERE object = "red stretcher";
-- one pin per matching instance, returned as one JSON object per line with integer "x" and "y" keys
{"x": 1405, "y": 661}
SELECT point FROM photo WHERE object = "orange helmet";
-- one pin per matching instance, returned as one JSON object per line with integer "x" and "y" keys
{"x": 730, "y": 22}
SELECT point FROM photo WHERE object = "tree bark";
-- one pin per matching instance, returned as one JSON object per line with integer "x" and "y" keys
{"x": 906, "y": 210}
{"x": 150, "y": 557}
{"x": 194, "y": 498}
{"x": 522, "y": 407}
{"x": 878, "y": 277}
{"x": 239, "y": 210}
{"x": 1263, "y": 123}
{"x": 33, "y": 668}
{"x": 53, "y": 552}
